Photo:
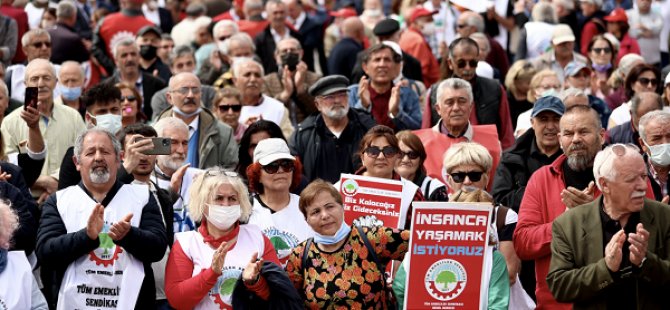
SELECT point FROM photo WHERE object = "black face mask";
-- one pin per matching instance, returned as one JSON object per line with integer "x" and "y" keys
{"x": 291, "y": 60}
{"x": 148, "y": 52}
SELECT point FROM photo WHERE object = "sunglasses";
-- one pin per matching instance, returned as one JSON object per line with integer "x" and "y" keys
{"x": 462, "y": 63}
{"x": 410, "y": 154}
{"x": 223, "y": 38}
{"x": 647, "y": 81}
{"x": 40, "y": 44}
{"x": 285, "y": 165}
{"x": 459, "y": 177}
{"x": 129, "y": 98}
{"x": 234, "y": 107}
{"x": 459, "y": 26}
{"x": 374, "y": 151}
{"x": 600, "y": 50}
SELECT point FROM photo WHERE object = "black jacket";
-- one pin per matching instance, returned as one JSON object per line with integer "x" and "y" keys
{"x": 623, "y": 133}
{"x": 57, "y": 249}
{"x": 306, "y": 140}
{"x": 487, "y": 94}
{"x": 514, "y": 170}
{"x": 341, "y": 60}
{"x": 265, "y": 48}
{"x": 283, "y": 294}
{"x": 312, "y": 34}
{"x": 66, "y": 45}
{"x": 150, "y": 86}
{"x": 25, "y": 235}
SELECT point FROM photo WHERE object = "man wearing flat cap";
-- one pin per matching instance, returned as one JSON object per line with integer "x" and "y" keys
{"x": 389, "y": 30}
{"x": 326, "y": 141}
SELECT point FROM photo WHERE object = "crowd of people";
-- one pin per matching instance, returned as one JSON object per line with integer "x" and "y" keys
{"x": 181, "y": 154}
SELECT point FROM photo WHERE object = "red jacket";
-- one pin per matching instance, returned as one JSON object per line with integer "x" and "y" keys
{"x": 413, "y": 43}
{"x": 541, "y": 204}
{"x": 21, "y": 18}
{"x": 628, "y": 45}
{"x": 118, "y": 25}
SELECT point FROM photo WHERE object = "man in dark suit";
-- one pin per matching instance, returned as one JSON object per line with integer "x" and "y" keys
{"x": 312, "y": 34}
{"x": 341, "y": 61}
{"x": 66, "y": 42}
{"x": 126, "y": 57}
{"x": 614, "y": 252}
{"x": 274, "y": 32}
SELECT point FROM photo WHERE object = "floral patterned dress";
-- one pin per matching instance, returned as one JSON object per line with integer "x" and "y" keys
{"x": 347, "y": 278}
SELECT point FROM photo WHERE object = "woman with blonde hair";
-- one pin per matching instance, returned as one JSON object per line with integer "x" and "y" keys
{"x": 543, "y": 83}
{"x": 517, "y": 82}
{"x": 204, "y": 265}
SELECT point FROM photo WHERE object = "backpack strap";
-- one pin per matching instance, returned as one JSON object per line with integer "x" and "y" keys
{"x": 305, "y": 253}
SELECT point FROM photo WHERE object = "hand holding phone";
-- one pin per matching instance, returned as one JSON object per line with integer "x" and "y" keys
{"x": 161, "y": 146}
{"x": 30, "y": 99}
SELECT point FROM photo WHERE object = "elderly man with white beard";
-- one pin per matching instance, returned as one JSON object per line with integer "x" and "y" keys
{"x": 327, "y": 141}
{"x": 97, "y": 239}
{"x": 172, "y": 172}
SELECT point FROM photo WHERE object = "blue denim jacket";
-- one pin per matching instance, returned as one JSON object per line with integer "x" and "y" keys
{"x": 409, "y": 115}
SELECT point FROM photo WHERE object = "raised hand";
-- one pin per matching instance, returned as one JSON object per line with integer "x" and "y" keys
{"x": 364, "y": 92}
{"x": 394, "y": 101}
{"x": 95, "y": 222}
{"x": 638, "y": 245}
{"x": 121, "y": 228}
{"x": 613, "y": 251}
{"x": 219, "y": 256}
{"x": 252, "y": 272}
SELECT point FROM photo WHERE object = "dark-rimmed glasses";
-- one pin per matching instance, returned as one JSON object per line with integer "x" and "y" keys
{"x": 286, "y": 165}
{"x": 374, "y": 151}
{"x": 474, "y": 176}
{"x": 225, "y": 108}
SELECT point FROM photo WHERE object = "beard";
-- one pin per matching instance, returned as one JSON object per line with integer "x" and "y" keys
{"x": 99, "y": 175}
{"x": 582, "y": 162}
{"x": 337, "y": 113}
{"x": 171, "y": 163}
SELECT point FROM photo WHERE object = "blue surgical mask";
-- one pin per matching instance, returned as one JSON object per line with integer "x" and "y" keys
{"x": 341, "y": 233}
{"x": 187, "y": 115}
{"x": 70, "y": 93}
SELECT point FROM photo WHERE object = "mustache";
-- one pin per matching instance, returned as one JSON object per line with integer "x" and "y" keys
{"x": 189, "y": 100}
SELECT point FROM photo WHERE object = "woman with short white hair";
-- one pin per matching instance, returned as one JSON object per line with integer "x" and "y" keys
{"x": 18, "y": 288}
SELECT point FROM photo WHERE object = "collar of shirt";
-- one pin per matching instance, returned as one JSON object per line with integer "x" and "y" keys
{"x": 468, "y": 134}
{"x": 132, "y": 12}
{"x": 193, "y": 126}
{"x": 277, "y": 37}
{"x": 160, "y": 174}
{"x": 654, "y": 175}
{"x": 536, "y": 152}
{"x": 297, "y": 23}
{"x": 613, "y": 226}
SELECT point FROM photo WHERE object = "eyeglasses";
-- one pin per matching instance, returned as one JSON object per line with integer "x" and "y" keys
{"x": 129, "y": 98}
{"x": 459, "y": 26}
{"x": 462, "y": 63}
{"x": 40, "y": 44}
{"x": 234, "y": 107}
{"x": 223, "y": 38}
{"x": 333, "y": 96}
{"x": 285, "y": 165}
{"x": 185, "y": 90}
{"x": 374, "y": 151}
{"x": 410, "y": 154}
{"x": 600, "y": 50}
{"x": 647, "y": 81}
{"x": 459, "y": 177}
{"x": 215, "y": 172}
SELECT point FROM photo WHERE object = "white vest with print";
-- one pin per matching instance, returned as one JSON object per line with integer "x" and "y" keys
{"x": 16, "y": 282}
{"x": 249, "y": 240}
{"x": 109, "y": 276}
{"x": 286, "y": 228}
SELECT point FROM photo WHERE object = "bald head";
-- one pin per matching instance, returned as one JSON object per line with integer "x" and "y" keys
{"x": 184, "y": 76}
{"x": 353, "y": 27}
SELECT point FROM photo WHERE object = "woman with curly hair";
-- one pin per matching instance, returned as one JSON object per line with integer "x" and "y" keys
{"x": 274, "y": 173}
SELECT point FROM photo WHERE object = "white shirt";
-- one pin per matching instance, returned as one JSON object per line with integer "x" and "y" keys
{"x": 619, "y": 116}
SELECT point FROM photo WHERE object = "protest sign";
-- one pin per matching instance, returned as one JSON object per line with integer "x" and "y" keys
{"x": 447, "y": 256}
{"x": 364, "y": 196}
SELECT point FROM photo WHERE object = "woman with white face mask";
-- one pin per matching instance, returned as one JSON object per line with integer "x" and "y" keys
{"x": 205, "y": 265}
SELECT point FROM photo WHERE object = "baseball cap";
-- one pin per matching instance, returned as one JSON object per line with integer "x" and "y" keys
{"x": 617, "y": 15}
{"x": 562, "y": 33}
{"x": 547, "y": 103}
{"x": 146, "y": 29}
{"x": 574, "y": 67}
{"x": 420, "y": 12}
{"x": 271, "y": 149}
{"x": 344, "y": 12}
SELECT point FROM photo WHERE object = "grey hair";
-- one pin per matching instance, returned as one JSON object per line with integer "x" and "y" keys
{"x": 275, "y": 2}
{"x": 252, "y": 5}
{"x": 660, "y": 116}
{"x": 240, "y": 37}
{"x": 79, "y": 142}
{"x": 72, "y": 62}
{"x": 123, "y": 42}
{"x": 568, "y": 5}
{"x": 66, "y": 9}
{"x": 238, "y": 64}
{"x": 637, "y": 100}
{"x": 603, "y": 164}
{"x": 36, "y": 62}
{"x": 28, "y": 36}
{"x": 180, "y": 51}
{"x": 544, "y": 12}
{"x": 476, "y": 21}
{"x": 3, "y": 88}
{"x": 226, "y": 23}
{"x": 169, "y": 122}
{"x": 166, "y": 36}
{"x": 481, "y": 38}
{"x": 291, "y": 39}
{"x": 571, "y": 92}
{"x": 453, "y": 83}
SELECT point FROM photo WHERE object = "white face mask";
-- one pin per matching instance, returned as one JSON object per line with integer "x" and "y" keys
{"x": 659, "y": 154}
{"x": 223, "y": 217}
{"x": 109, "y": 122}
{"x": 428, "y": 29}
